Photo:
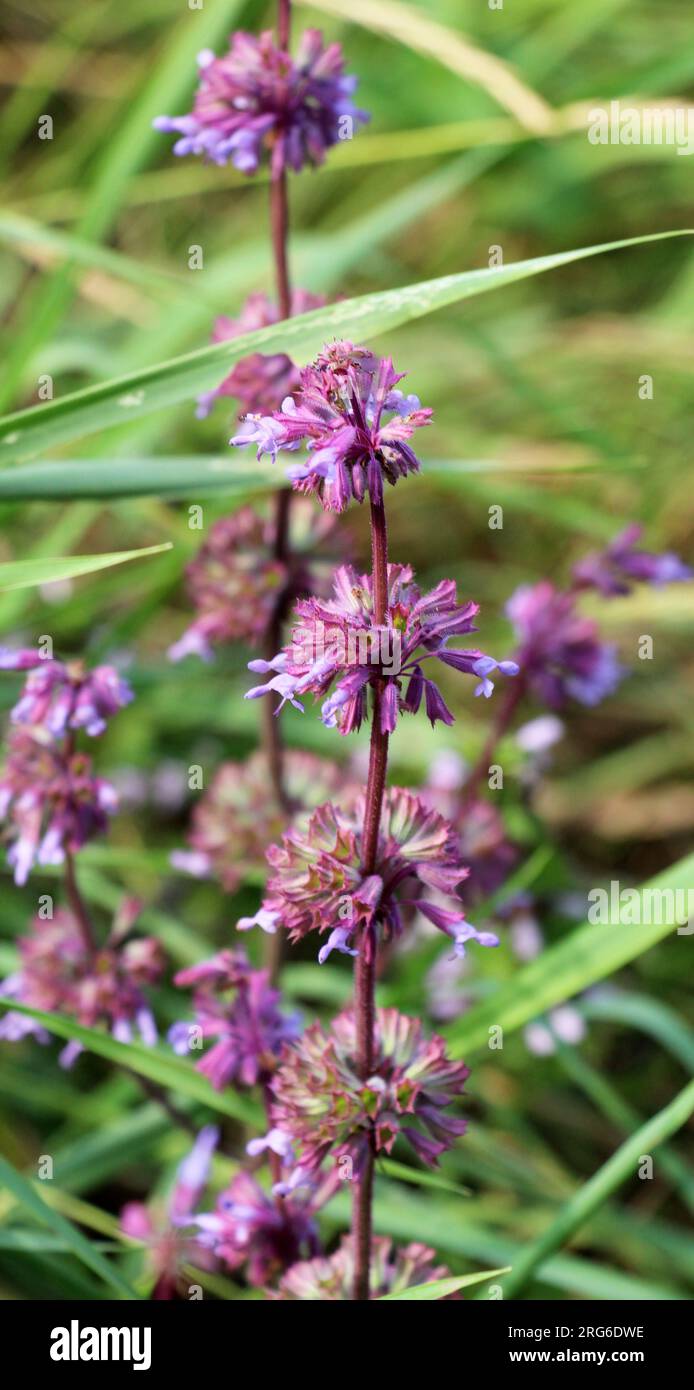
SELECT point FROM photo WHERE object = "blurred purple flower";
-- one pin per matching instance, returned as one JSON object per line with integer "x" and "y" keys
{"x": 560, "y": 653}
{"x": 259, "y": 382}
{"x": 61, "y": 974}
{"x": 252, "y": 1227}
{"x": 238, "y": 816}
{"x": 51, "y": 799}
{"x": 617, "y": 568}
{"x": 60, "y": 696}
{"x": 258, "y": 99}
{"x": 236, "y": 1006}
{"x": 168, "y": 1250}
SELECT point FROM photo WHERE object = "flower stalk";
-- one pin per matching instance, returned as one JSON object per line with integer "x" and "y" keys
{"x": 365, "y": 965}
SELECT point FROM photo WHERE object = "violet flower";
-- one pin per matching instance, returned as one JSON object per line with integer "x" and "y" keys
{"x": 168, "y": 1249}
{"x": 60, "y": 696}
{"x": 559, "y": 650}
{"x": 354, "y": 421}
{"x": 51, "y": 800}
{"x": 336, "y": 643}
{"x": 257, "y": 99}
{"x": 253, "y": 1228}
{"x": 235, "y": 1006}
{"x": 317, "y": 882}
{"x": 60, "y": 974}
{"x": 620, "y": 565}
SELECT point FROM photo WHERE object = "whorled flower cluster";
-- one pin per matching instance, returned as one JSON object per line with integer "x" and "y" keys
{"x": 238, "y": 815}
{"x": 63, "y": 696}
{"x": 267, "y": 1234}
{"x": 257, "y": 100}
{"x": 60, "y": 973}
{"x": 330, "y": 1278}
{"x": 51, "y": 800}
{"x": 234, "y": 583}
{"x": 354, "y": 421}
{"x": 238, "y": 584}
{"x": 235, "y": 1007}
{"x": 323, "y": 1105}
{"x": 261, "y": 381}
{"x": 337, "y": 643}
{"x": 317, "y": 882}
{"x": 159, "y": 1229}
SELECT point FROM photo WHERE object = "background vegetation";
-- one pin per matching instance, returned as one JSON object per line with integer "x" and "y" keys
{"x": 535, "y": 390}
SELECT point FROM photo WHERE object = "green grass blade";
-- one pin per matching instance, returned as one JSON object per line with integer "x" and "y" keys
{"x": 25, "y": 574}
{"x": 585, "y": 956}
{"x": 207, "y": 474}
{"x": 26, "y": 1194}
{"x": 30, "y": 432}
{"x": 164, "y": 1068}
{"x": 622, "y": 1165}
{"x": 440, "y": 1288}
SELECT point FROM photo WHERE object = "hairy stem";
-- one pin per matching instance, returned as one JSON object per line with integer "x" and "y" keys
{"x": 365, "y": 966}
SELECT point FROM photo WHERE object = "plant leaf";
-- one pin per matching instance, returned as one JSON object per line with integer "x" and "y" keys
{"x": 622, "y": 1165}
{"x": 26, "y": 1193}
{"x": 166, "y": 1069}
{"x": 185, "y": 476}
{"x": 30, "y": 432}
{"x": 24, "y": 574}
{"x": 586, "y": 955}
{"x": 440, "y": 1288}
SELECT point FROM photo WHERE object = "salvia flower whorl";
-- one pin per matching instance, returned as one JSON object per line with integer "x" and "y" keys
{"x": 354, "y": 422}
{"x": 59, "y": 973}
{"x": 317, "y": 882}
{"x": 257, "y": 100}
{"x": 324, "y": 1107}
{"x": 336, "y": 645}
{"x": 330, "y": 1278}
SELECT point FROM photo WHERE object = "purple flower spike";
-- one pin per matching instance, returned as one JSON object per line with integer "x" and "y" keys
{"x": 257, "y": 100}
{"x": 614, "y": 570}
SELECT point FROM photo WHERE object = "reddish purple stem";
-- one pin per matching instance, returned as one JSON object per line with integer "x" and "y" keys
{"x": 365, "y": 966}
